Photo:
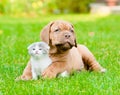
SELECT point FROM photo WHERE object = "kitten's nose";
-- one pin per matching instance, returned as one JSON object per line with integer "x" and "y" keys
{"x": 36, "y": 52}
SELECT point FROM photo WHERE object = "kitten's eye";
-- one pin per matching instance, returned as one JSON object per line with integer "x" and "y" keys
{"x": 33, "y": 48}
{"x": 40, "y": 49}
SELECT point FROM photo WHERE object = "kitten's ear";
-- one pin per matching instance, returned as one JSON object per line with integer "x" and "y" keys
{"x": 48, "y": 48}
{"x": 30, "y": 46}
{"x": 45, "y": 45}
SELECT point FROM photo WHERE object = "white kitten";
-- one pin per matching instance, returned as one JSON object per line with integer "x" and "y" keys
{"x": 40, "y": 59}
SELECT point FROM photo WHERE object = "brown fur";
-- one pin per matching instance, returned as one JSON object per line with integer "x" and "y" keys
{"x": 64, "y": 51}
{"x": 27, "y": 74}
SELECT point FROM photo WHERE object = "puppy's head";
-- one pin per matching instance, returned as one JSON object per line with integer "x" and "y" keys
{"x": 60, "y": 34}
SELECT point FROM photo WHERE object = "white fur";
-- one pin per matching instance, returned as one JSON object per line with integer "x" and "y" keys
{"x": 38, "y": 66}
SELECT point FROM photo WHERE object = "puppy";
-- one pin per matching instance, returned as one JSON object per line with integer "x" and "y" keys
{"x": 65, "y": 53}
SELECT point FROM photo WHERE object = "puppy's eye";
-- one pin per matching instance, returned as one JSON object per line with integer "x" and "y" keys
{"x": 56, "y": 30}
{"x": 33, "y": 48}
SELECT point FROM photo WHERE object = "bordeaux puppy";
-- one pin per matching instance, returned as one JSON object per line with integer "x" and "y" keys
{"x": 65, "y": 53}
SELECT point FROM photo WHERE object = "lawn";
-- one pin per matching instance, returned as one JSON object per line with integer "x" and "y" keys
{"x": 101, "y": 34}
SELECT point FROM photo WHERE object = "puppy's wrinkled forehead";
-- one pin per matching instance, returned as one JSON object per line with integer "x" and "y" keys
{"x": 62, "y": 25}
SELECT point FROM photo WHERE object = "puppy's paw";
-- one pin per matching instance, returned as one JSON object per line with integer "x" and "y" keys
{"x": 25, "y": 78}
{"x": 103, "y": 70}
{"x": 18, "y": 78}
{"x": 48, "y": 74}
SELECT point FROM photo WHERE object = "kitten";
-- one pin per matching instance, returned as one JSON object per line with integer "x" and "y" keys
{"x": 40, "y": 59}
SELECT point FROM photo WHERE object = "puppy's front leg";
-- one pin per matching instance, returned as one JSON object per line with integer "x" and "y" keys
{"x": 54, "y": 69}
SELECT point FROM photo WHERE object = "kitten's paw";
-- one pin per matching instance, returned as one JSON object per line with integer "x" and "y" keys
{"x": 35, "y": 78}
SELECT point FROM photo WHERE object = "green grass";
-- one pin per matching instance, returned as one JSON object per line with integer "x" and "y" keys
{"x": 17, "y": 33}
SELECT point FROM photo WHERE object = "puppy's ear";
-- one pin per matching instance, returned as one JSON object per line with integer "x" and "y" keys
{"x": 72, "y": 25}
{"x": 75, "y": 39}
{"x": 45, "y": 33}
{"x": 75, "y": 43}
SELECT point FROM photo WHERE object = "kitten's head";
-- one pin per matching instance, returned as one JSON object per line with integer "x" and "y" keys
{"x": 38, "y": 49}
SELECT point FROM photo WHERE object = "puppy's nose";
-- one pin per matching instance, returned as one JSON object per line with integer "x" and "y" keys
{"x": 67, "y": 36}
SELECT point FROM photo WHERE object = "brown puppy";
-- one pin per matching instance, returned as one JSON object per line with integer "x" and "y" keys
{"x": 64, "y": 51}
